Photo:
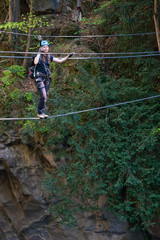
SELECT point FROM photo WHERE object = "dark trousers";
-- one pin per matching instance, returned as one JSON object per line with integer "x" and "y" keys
{"x": 42, "y": 84}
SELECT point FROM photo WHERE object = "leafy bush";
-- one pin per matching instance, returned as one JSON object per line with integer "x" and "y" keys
{"x": 114, "y": 152}
{"x": 13, "y": 98}
{"x": 12, "y": 75}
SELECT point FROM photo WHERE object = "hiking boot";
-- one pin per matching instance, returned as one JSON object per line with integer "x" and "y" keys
{"x": 46, "y": 116}
{"x": 40, "y": 115}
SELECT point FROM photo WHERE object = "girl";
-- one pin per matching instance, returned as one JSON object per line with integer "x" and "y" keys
{"x": 42, "y": 62}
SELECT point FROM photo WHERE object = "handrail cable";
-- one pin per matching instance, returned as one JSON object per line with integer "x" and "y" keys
{"x": 88, "y": 58}
{"x": 81, "y": 36}
{"x": 54, "y": 53}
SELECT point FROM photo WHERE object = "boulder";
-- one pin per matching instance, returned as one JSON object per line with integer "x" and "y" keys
{"x": 44, "y": 7}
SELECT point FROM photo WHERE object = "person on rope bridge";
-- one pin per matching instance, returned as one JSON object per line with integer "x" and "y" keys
{"x": 42, "y": 62}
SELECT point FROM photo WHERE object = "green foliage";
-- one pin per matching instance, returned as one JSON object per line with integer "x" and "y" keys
{"x": 29, "y": 128}
{"x": 62, "y": 203}
{"x": 53, "y": 72}
{"x": 121, "y": 15}
{"x": 118, "y": 17}
{"x": 106, "y": 5}
{"x": 7, "y": 78}
{"x": 15, "y": 95}
{"x": 96, "y": 21}
{"x": 114, "y": 151}
{"x": 28, "y": 96}
{"x": 17, "y": 71}
{"x": 29, "y": 21}
{"x": 12, "y": 75}
{"x": 13, "y": 98}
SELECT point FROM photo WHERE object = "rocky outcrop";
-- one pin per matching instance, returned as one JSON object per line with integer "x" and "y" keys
{"x": 47, "y": 6}
{"x": 77, "y": 7}
{"x": 50, "y": 6}
{"x": 23, "y": 204}
{"x": 155, "y": 229}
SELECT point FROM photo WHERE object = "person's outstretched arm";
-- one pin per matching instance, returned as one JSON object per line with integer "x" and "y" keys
{"x": 57, "y": 60}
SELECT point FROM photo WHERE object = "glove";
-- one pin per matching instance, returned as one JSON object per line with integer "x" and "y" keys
{"x": 70, "y": 55}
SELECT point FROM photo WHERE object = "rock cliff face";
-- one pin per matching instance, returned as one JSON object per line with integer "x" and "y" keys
{"x": 23, "y": 202}
{"x": 47, "y": 6}
{"x": 50, "y": 6}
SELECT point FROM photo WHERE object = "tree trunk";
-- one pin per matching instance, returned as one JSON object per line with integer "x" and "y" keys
{"x": 156, "y": 21}
{"x": 11, "y": 14}
{"x": 14, "y": 13}
{"x": 27, "y": 48}
{"x": 14, "y": 10}
{"x": 2, "y": 35}
{"x": 78, "y": 14}
{"x": 79, "y": 3}
{"x": 28, "y": 38}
